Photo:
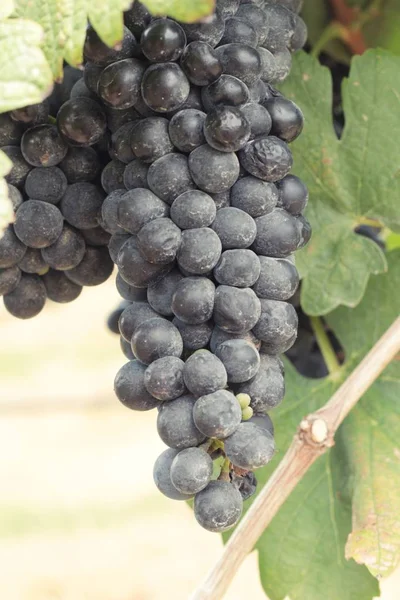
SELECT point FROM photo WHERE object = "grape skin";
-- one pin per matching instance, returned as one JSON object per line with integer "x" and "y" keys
{"x": 267, "y": 388}
{"x": 67, "y": 251}
{"x": 159, "y": 240}
{"x": 164, "y": 378}
{"x": 267, "y": 158}
{"x": 130, "y": 389}
{"x": 217, "y": 414}
{"x": 94, "y": 269}
{"x": 199, "y": 251}
{"x": 240, "y": 358}
{"x": 138, "y": 207}
{"x": 204, "y": 373}
{"x": 254, "y": 196}
{"x": 277, "y": 326}
{"x": 193, "y": 209}
{"x": 278, "y": 279}
{"x": 250, "y": 447}
{"x": 239, "y": 268}
{"x": 162, "y": 471}
{"x": 134, "y": 314}
{"x": 27, "y": 299}
{"x": 135, "y": 270}
{"x": 218, "y": 507}
{"x": 160, "y": 294}
{"x": 200, "y": 63}
{"x": 59, "y": 288}
{"x": 236, "y": 310}
{"x": 38, "y": 224}
{"x": 169, "y": 177}
{"x": 213, "y": 171}
{"x": 9, "y": 279}
{"x": 186, "y": 129}
{"x": 175, "y": 424}
{"x": 191, "y": 470}
{"x": 155, "y": 339}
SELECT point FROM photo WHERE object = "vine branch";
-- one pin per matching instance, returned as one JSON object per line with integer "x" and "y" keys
{"x": 315, "y": 435}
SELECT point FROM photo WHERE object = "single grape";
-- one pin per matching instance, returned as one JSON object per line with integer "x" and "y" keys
{"x": 10, "y": 131}
{"x": 236, "y": 310}
{"x": 159, "y": 241}
{"x": 160, "y": 294}
{"x": 38, "y": 224}
{"x": 213, "y": 171}
{"x": 218, "y": 507}
{"x": 150, "y": 139}
{"x": 164, "y": 378}
{"x": 199, "y": 251}
{"x": 278, "y": 279}
{"x": 15, "y": 196}
{"x": 112, "y": 176}
{"x": 267, "y": 158}
{"x": 254, "y": 196}
{"x": 137, "y": 18}
{"x": 227, "y": 90}
{"x": 136, "y": 270}
{"x": 155, "y": 339}
{"x": 135, "y": 175}
{"x": 46, "y": 184}
{"x": 204, "y": 373}
{"x": 241, "y": 61}
{"x": 175, "y": 424}
{"x": 113, "y": 317}
{"x": 91, "y": 76}
{"x": 193, "y": 209}
{"x": 96, "y": 51}
{"x": 194, "y": 336}
{"x": 277, "y": 327}
{"x": 12, "y": 250}
{"x": 227, "y": 8}
{"x": 129, "y": 292}
{"x": 240, "y": 358}
{"x": 169, "y": 176}
{"x": 119, "y": 83}
{"x": 121, "y": 143}
{"x": 33, "y": 262}
{"x": 162, "y": 469}
{"x": 186, "y": 129}
{"x": 59, "y": 288}
{"x": 67, "y": 251}
{"x": 210, "y": 30}
{"x": 235, "y": 228}
{"x": 250, "y": 447}
{"x": 109, "y": 212}
{"x": 80, "y": 164}
{"x": 133, "y": 316}
{"x": 281, "y": 27}
{"x": 163, "y": 40}
{"x": 258, "y": 118}
{"x": 96, "y": 236}
{"x": 283, "y": 64}
{"x": 200, "y": 63}
{"x": 81, "y": 205}
{"x": 130, "y": 389}
{"x": 81, "y": 121}
{"x": 95, "y": 267}
{"x": 219, "y": 336}
{"x": 191, "y": 470}
{"x": 117, "y": 240}
{"x": 278, "y": 234}
{"x": 293, "y": 194}
{"x": 287, "y": 118}
{"x": 217, "y": 414}
{"x": 27, "y": 299}
{"x": 269, "y": 70}
{"x": 255, "y": 16}
{"x": 226, "y": 129}
{"x": 9, "y": 279}
{"x": 239, "y": 268}
{"x": 240, "y": 32}
{"x": 34, "y": 114}
{"x": 263, "y": 421}
{"x": 42, "y": 146}
{"x": 267, "y": 388}
{"x": 20, "y": 167}
{"x": 126, "y": 348}
{"x": 164, "y": 87}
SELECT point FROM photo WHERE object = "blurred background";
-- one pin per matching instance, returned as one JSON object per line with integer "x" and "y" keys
{"x": 80, "y": 517}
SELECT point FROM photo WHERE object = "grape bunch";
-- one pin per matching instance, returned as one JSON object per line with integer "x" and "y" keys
{"x": 170, "y": 159}
{"x": 204, "y": 217}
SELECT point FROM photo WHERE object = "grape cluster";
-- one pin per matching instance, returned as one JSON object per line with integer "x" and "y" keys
{"x": 170, "y": 158}
{"x": 204, "y": 217}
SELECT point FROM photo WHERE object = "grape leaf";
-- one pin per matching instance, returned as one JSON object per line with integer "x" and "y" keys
{"x": 186, "y": 11}
{"x": 25, "y": 77}
{"x": 6, "y": 210}
{"x": 302, "y": 552}
{"x": 351, "y": 179}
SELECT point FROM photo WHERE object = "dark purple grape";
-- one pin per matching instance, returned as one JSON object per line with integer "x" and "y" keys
{"x": 59, "y": 288}
{"x": 38, "y": 224}
{"x": 165, "y": 87}
{"x": 81, "y": 121}
{"x": 226, "y": 129}
{"x": 150, "y": 139}
{"x": 81, "y": 205}
{"x": 169, "y": 177}
{"x": 67, "y": 251}
{"x": 200, "y": 63}
{"x": 227, "y": 90}
{"x": 186, "y": 129}
{"x": 42, "y": 146}
{"x": 119, "y": 83}
{"x": 241, "y": 61}
{"x": 96, "y": 51}
{"x": 163, "y": 41}
{"x": 27, "y": 299}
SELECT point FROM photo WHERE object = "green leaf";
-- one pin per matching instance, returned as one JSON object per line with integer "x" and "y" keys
{"x": 302, "y": 552}
{"x": 351, "y": 179}
{"x": 6, "y": 210}
{"x": 64, "y": 23}
{"x": 25, "y": 77}
{"x": 186, "y": 11}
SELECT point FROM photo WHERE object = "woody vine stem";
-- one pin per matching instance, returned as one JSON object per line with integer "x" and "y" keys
{"x": 314, "y": 436}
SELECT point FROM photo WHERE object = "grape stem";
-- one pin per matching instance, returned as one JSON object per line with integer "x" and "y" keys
{"x": 314, "y": 436}
{"x": 324, "y": 343}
